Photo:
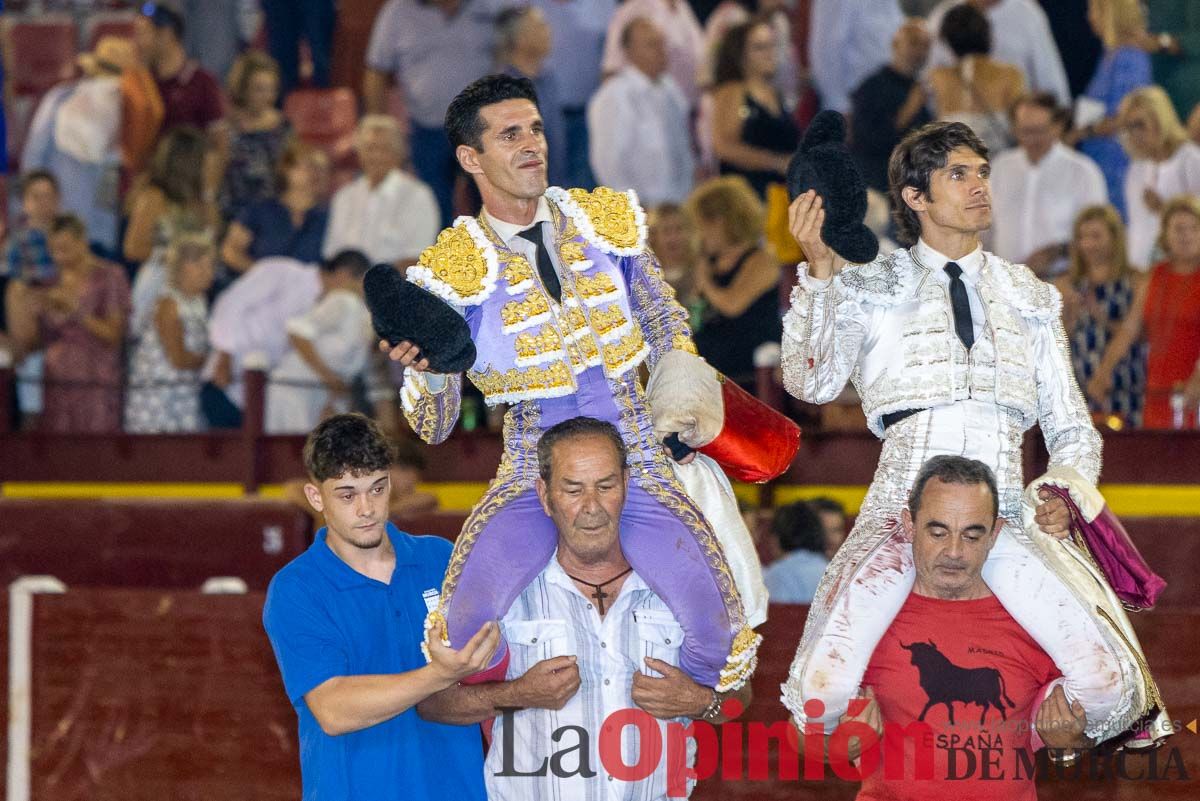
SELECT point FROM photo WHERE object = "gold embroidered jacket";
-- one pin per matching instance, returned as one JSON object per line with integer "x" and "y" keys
{"x": 616, "y": 309}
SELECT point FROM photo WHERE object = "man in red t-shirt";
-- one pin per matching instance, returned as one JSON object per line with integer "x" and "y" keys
{"x": 954, "y": 684}
{"x": 190, "y": 94}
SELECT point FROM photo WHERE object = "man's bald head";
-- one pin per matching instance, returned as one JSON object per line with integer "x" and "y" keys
{"x": 645, "y": 47}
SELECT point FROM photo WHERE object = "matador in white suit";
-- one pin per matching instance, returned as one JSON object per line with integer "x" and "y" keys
{"x": 954, "y": 351}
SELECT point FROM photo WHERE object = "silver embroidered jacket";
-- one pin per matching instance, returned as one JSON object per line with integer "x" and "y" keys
{"x": 888, "y": 327}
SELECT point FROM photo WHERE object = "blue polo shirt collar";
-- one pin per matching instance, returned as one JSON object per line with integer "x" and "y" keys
{"x": 345, "y": 577}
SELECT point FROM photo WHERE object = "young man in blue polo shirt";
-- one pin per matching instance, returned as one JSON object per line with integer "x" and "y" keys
{"x": 345, "y": 619}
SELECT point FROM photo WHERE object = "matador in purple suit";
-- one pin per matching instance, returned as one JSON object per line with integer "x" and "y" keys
{"x": 564, "y": 301}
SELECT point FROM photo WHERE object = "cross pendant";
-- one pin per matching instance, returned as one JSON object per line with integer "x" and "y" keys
{"x": 600, "y": 595}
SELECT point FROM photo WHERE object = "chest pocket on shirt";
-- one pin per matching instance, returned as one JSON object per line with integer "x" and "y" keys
{"x": 660, "y": 637}
{"x": 540, "y": 639}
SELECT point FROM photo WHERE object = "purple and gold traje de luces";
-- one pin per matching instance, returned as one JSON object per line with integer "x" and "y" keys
{"x": 554, "y": 360}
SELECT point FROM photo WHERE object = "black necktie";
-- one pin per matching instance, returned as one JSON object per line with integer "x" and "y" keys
{"x": 963, "y": 325}
{"x": 545, "y": 267}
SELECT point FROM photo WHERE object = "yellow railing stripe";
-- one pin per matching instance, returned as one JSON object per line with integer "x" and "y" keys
{"x": 848, "y": 496}
{"x": 1129, "y": 500}
{"x": 1125, "y": 500}
{"x": 1152, "y": 500}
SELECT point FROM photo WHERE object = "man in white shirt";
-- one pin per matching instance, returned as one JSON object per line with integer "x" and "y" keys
{"x": 638, "y": 123}
{"x": 386, "y": 213}
{"x": 247, "y": 323}
{"x": 684, "y": 39}
{"x": 329, "y": 348}
{"x": 1039, "y": 188}
{"x": 614, "y": 642}
{"x": 1020, "y": 36}
{"x": 848, "y": 40}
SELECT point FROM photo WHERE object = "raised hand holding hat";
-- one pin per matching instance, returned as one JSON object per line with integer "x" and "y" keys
{"x": 829, "y": 196}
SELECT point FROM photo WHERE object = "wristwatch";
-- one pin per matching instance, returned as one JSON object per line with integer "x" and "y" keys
{"x": 713, "y": 710}
{"x": 1064, "y": 756}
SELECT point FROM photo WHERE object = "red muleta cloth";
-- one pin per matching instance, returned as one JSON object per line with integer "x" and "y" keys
{"x": 757, "y": 443}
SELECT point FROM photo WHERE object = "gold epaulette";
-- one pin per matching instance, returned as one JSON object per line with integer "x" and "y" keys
{"x": 610, "y": 220}
{"x": 460, "y": 267}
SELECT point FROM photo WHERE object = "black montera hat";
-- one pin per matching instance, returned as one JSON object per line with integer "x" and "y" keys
{"x": 823, "y": 163}
{"x": 402, "y": 311}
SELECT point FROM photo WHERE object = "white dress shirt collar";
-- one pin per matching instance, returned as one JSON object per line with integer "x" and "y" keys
{"x": 508, "y": 231}
{"x": 1055, "y": 151}
{"x": 971, "y": 263}
{"x": 553, "y": 618}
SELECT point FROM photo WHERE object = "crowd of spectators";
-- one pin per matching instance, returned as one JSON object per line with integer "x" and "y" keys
{"x": 170, "y": 227}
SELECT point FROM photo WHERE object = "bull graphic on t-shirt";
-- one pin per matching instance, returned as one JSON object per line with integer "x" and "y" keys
{"x": 945, "y": 682}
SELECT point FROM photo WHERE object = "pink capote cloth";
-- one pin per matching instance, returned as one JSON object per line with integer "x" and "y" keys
{"x": 1118, "y": 558}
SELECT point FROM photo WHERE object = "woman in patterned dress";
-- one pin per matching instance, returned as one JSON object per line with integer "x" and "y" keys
{"x": 165, "y": 361}
{"x": 171, "y": 199}
{"x": 1166, "y": 311}
{"x": 1098, "y": 294}
{"x": 259, "y": 134}
{"x": 80, "y": 323}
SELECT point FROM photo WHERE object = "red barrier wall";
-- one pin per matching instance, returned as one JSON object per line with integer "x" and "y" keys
{"x": 149, "y": 695}
{"x": 158, "y": 695}
{"x": 152, "y": 543}
{"x": 1146, "y": 457}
